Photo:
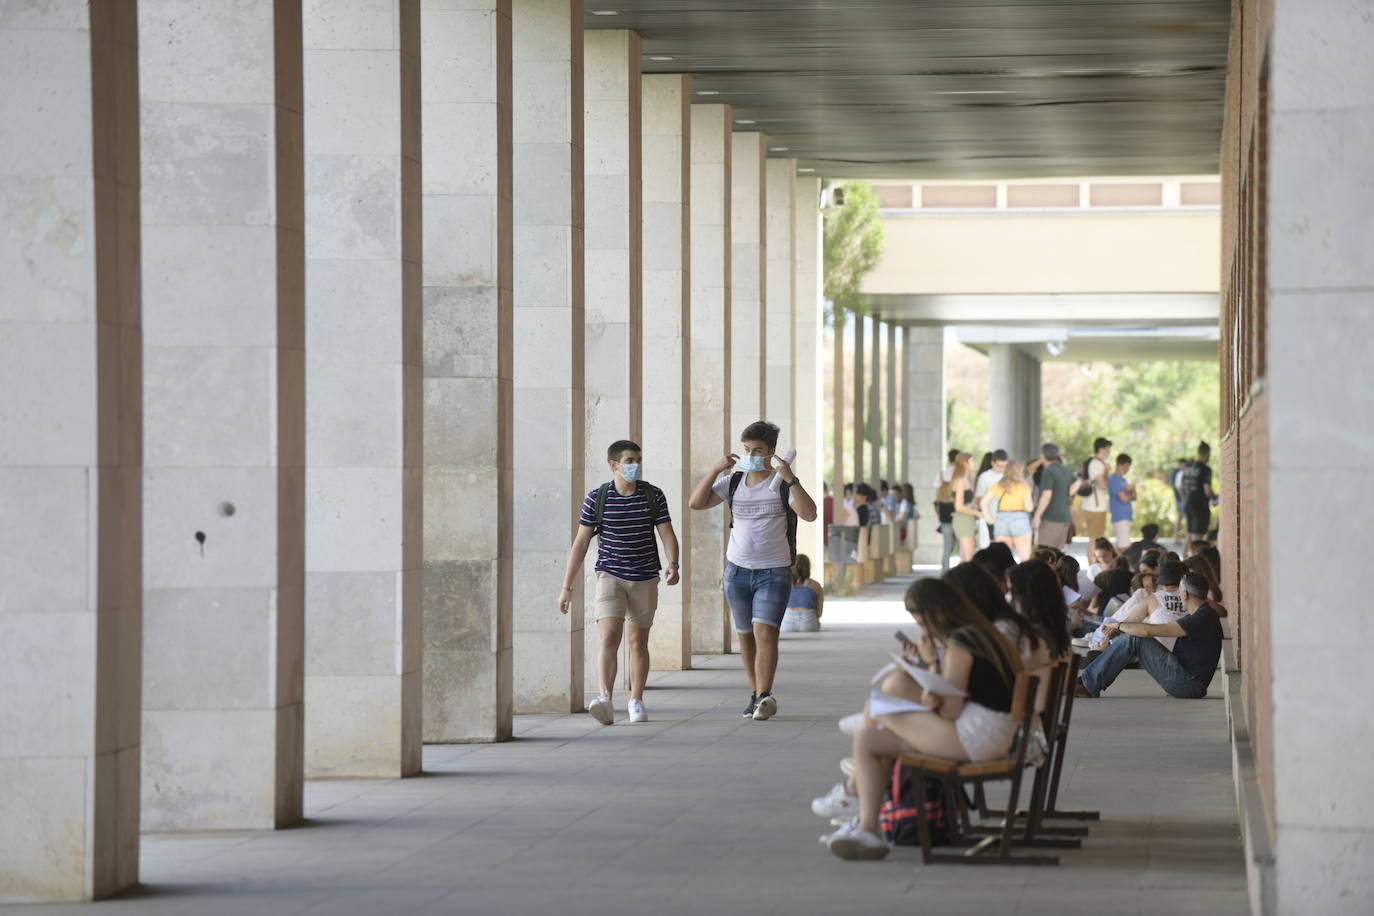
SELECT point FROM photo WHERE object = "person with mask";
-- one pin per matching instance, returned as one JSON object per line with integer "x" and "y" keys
{"x": 762, "y": 549}
{"x": 624, "y": 514}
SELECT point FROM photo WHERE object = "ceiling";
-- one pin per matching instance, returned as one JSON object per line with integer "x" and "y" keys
{"x": 953, "y": 89}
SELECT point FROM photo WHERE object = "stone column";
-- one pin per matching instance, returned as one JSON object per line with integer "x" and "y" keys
{"x": 873, "y": 428}
{"x": 836, "y": 406}
{"x": 613, "y": 275}
{"x": 780, "y": 325}
{"x": 70, "y": 453}
{"x": 903, "y": 415}
{"x": 748, "y": 259}
{"x": 890, "y": 415}
{"x": 924, "y": 357}
{"x": 224, "y": 398}
{"x": 550, "y": 409}
{"x": 468, "y": 346}
{"x": 709, "y": 413}
{"x": 363, "y": 390}
{"x": 667, "y": 335}
{"x": 860, "y": 397}
{"x": 808, "y": 340}
{"x": 1005, "y": 425}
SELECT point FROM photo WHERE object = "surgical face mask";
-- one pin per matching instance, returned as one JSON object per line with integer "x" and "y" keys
{"x": 750, "y": 463}
{"x": 630, "y": 472}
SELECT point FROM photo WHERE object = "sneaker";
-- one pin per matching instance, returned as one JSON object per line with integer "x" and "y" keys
{"x": 753, "y": 705}
{"x": 768, "y": 706}
{"x": 853, "y": 843}
{"x": 1081, "y": 692}
{"x": 845, "y": 825}
{"x": 835, "y": 803}
{"x": 1079, "y": 643}
{"x": 850, "y": 724}
{"x": 847, "y": 766}
{"x": 637, "y": 713}
{"x": 601, "y": 710}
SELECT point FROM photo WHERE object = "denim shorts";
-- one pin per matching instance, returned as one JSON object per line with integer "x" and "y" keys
{"x": 757, "y": 595}
{"x": 1011, "y": 525}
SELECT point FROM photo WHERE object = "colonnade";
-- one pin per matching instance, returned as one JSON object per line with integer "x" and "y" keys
{"x": 316, "y": 326}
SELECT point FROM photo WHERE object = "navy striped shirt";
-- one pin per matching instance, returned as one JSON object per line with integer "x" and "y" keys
{"x": 627, "y": 550}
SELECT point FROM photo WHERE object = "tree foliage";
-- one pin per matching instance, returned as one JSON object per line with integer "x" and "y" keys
{"x": 852, "y": 246}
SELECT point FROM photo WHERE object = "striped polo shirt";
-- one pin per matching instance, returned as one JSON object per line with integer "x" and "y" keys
{"x": 627, "y": 550}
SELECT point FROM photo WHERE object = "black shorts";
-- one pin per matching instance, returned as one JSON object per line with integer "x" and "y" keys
{"x": 1199, "y": 519}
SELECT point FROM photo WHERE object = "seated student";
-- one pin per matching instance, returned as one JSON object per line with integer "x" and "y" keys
{"x": 1066, "y": 568}
{"x": 1103, "y": 556}
{"x": 1199, "y": 565}
{"x": 985, "y": 594}
{"x": 996, "y": 559}
{"x": 1149, "y": 540}
{"x": 1186, "y": 670}
{"x": 806, "y": 602}
{"x": 1037, "y": 596}
{"x": 976, "y": 659}
{"x": 1114, "y": 590}
{"x": 1197, "y": 546}
{"x": 1156, "y": 606}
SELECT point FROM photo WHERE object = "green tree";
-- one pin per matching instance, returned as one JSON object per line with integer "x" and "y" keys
{"x": 852, "y": 245}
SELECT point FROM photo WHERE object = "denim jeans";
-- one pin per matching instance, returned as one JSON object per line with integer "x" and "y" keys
{"x": 757, "y": 595}
{"x": 951, "y": 543}
{"x": 1163, "y": 666}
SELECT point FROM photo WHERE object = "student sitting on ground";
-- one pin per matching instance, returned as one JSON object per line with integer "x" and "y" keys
{"x": 1114, "y": 590}
{"x": 806, "y": 602}
{"x": 1149, "y": 540}
{"x": 976, "y": 659}
{"x": 1199, "y": 565}
{"x": 1066, "y": 568}
{"x": 1186, "y": 670}
{"x": 1158, "y": 606}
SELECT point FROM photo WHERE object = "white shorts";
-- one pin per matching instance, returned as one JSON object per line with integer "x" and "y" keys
{"x": 985, "y": 733}
{"x": 800, "y": 620}
{"x": 1123, "y": 533}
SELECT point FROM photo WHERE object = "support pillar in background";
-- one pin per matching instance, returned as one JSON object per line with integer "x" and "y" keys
{"x": 807, "y": 375}
{"x": 748, "y": 291}
{"x": 71, "y": 446}
{"x": 614, "y": 233}
{"x": 924, "y": 358}
{"x": 779, "y": 322}
{"x": 667, "y": 335}
{"x": 710, "y": 418}
{"x": 893, "y": 408}
{"x": 363, "y": 390}
{"x": 468, "y": 351}
{"x": 836, "y": 406}
{"x": 1014, "y": 396}
{"x": 224, "y": 406}
{"x": 550, "y": 406}
{"x": 873, "y": 428}
{"x": 860, "y": 376}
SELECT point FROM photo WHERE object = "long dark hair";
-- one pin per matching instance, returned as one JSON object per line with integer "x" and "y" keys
{"x": 1037, "y": 595}
{"x": 801, "y": 569}
{"x": 1067, "y": 569}
{"x": 944, "y": 611}
{"x": 984, "y": 465}
{"x": 983, "y": 592}
{"x": 1199, "y": 564}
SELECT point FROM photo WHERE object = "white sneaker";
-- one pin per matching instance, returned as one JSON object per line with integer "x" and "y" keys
{"x": 601, "y": 710}
{"x": 853, "y": 843}
{"x": 850, "y": 724}
{"x": 847, "y": 766}
{"x": 767, "y": 707}
{"x": 637, "y": 713}
{"x": 836, "y": 803}
{"x": 845, "y": 825}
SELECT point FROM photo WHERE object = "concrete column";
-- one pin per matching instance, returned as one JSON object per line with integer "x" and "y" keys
{"x": 363, "y": 387}
{"x": 903, "y": 413}
{"x": 224, "y": 398}
{"x": 667, "y": 335}
{"x": 748, "y": 279}
{"x": 859, "y": 395}
{"x": 709, "y": 413}
{"x": 924, "y": 357}
{"x": 550, "y": 406}
{"x": 808, "y": 341}
{"x": 70, "y": 452}
{"x": 873, "y": 428}
{"x": 836, "y": 407}
{"x": 465, "y": 81}
{"x": 780, "y": 325}
{"x": 1030, "y": 383}
{"x": 614, "y": 339}
{"x": 890, "y": 414}
{"x": 1005, "y": 426}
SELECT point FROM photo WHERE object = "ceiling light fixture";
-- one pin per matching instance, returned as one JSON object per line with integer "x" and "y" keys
{"x": 778, "y": 149}
{"x": 742, "y": 121}
{"x": 605, "y": 12}
{"x": 707, "y": 92}
{"x": 660, "y": 57}
{"x": 806, "y": 170}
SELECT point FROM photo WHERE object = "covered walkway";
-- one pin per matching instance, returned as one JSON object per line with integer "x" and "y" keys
{"x": 699, "y": 811}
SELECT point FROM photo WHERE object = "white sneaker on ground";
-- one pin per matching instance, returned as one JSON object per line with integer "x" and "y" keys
{"x": 850, "y": 724}
{"x": 637, "y": 713}
{"x": 847, "y": 766}
{"x": 836, "y": 803}
{"x": 845, "y": 825}
{"x": 853, "y": 843}
{"x": 767, "y": 707}
{"x": 601, "y": 710}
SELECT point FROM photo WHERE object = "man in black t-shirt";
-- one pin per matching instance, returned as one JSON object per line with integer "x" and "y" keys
{"x": 1196, "y": 484}
{"x": 1186, "y": 671}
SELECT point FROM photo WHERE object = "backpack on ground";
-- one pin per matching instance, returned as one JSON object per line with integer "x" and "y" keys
{"x": 911, "y": 797}
{"x": 651, "y": 493}
{"x": 785, "y": 491}
{"x": 1085, "y": 485}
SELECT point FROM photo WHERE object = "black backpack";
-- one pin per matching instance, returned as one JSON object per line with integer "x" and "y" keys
{"x": 784, "y": 490}
{"x": 909, "y": 799}
{"x": 651, "y": 493}
{"x": 1086, "y": 487}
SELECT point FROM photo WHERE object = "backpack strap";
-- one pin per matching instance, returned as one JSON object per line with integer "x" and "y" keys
{"x": 785, "y": 490}
{"x": 735, "y": 480}
{"x": 599, "y": 509}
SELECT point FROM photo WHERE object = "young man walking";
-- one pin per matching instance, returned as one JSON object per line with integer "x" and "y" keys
{"x": 625, "y": 513}
{"x": 758, "y": 567}
{"x": 1196, "y": 485}
{"x": 1121, "y": 496}
{"x": 1095, "y": 503}
{"x": 1052, "y": 517}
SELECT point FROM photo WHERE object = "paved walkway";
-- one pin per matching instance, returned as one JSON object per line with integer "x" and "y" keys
{"x": 700, "y": 811}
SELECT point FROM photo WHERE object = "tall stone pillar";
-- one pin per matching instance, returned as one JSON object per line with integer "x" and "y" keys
{"x": 550, "y": 409}
{"x": 709, "y": 411}
{"x": 836, "y": 407}
{"x": 808, "y": 340}
{"x": 363, "y": 391}
{"x": 780, "y": 325}
{"x": 465, "y": 77}
{"x": 860, "y": 397}
{"x": 748, "y": 279}
{"x": 924, "y": 358}
{"x": 614, "y": 339}
{"x": 224, "y": 401}
{"x": 71, "y": 448}
{"x": 890, "y": 415}
{"x": 903, "y": 415}
{"x": 873, "y": 429}
{"x": 1005, "y": 400}
{"x": 667, "y": 335}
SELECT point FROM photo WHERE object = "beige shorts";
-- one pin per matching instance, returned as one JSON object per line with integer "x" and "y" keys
{"x": 1052, "y": 534}
{"x": 1097, "y": 524}
{"x": 633, "y": 601}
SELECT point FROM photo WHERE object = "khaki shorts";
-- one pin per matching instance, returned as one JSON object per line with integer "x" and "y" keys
{"x": 1052, "y": 534}
{"x": 1097, "y": 524}
{"x": 633, "y": 601}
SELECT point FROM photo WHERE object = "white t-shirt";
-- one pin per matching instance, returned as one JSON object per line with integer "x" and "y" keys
{"x": 985, "y": 482}
{"x": 758, "y": 539}
{"x": 945, "y": 476}
{"x": 1098, "y": 501}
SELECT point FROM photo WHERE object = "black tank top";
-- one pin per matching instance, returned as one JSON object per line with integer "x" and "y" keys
{"x": 987, "y": 686}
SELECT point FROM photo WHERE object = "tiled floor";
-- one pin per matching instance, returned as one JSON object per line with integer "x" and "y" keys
{"x": 700, "y": 811}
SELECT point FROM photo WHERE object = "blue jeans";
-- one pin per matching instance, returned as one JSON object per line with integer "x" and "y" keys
{"x": 951, "y": 543}
{"x": 1162, "y": 664}
{"x": 757, "y": 595}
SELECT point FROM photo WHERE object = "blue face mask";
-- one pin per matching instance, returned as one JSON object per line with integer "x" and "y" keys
{"x": 750, "y": 463}
{"x": 630, "y": 472}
